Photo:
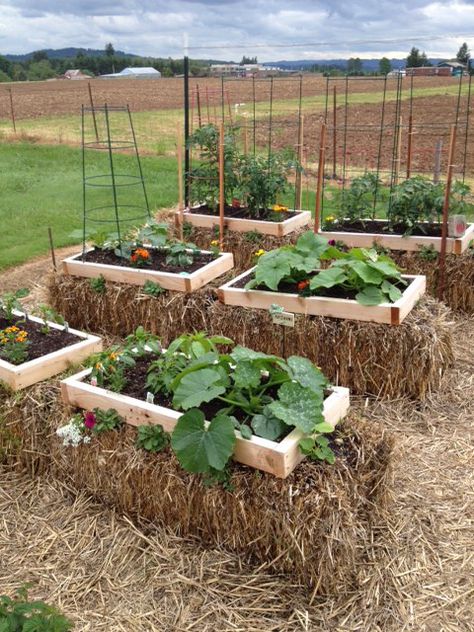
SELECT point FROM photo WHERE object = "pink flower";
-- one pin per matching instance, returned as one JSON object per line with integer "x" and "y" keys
{"x": 332, "y": 242}
{"x": 90, "y": 420}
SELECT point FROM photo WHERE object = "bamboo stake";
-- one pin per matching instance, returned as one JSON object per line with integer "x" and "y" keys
{"x": 221, "y": 187}
{"x": 399, "y": 153}
{"x": 51, "y": 245}
{"x": 12, "y": 110}
{"x": 334, "y": 124}
{"x": 410, "y": 145}
{"x": 179, "y": 152}
{"x": 437, "y": 163}
{"x": 444, "y": 226}
{"x": 299, "y": 174}
{"x": 246, "y": 138}
{"x": 207, "y": 106}
{"x": 198, "y": 101}
{"x": 229, "y": 107}
{"x": 191, "y": 126}
{"x": 322, "y": 150}
{"x": 93, "y": 112}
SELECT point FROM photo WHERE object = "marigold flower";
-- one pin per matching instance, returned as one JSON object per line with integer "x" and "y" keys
{"x": 214, "y": 243}
{"x": 259, "y": 253}
{"x": 113, "y": 356}
{"x": 301, "y": 285}
{"x": 99, "y": 366}
{"x": 140, "y": 253}
{"x": 279, "y": 208}
{"x": 330, "y": 218}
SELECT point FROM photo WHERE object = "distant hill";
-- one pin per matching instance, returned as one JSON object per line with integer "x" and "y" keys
{"x": 369, "y": 65}
{"x": 64, "y": 53}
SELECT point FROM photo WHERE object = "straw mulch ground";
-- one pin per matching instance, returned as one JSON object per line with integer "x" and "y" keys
{"x": 416, "y": 575}
{"x": 459, "y": 288}
{"x": 268, "y": 521}
{"x": 393, "y": 361}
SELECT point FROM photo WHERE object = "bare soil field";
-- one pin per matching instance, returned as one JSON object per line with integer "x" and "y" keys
{"x": 58, "y": 97}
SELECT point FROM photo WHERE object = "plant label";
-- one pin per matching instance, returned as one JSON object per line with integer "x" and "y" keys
{"x": 287, "y": 319}
{"x": 457, "y": 225}
{"x": 150, "y": 398}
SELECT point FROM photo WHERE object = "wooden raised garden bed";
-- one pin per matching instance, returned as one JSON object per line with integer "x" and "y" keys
{"x": 177, "y": 281}
{"x": 242, "y": 225}
{"x": 454, "y": 245}
{"x": 389, "y": 313}
{"x": 278, "y": 458}
{"x": 46, "y": 366}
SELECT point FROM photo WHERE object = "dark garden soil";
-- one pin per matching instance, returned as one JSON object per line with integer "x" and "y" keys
{"x": 157, "y": 261}
{"x": 291, "y": 288}
{"x": 135, "y": 387}
{"x": 40, "y": 343}
{"x": 266, "y": 215}
{"x": 382, "y": 228}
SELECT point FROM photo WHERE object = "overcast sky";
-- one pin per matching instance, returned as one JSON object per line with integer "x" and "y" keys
{"x": 227, "y": 29}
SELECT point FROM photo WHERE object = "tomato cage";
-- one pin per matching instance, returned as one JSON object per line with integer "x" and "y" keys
{"x": 114, "y": 194}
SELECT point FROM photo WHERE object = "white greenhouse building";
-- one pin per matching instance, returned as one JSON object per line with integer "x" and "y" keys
{"x": 134, "y": 73}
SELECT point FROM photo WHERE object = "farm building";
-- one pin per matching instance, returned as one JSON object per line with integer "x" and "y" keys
{"x": 147, "y": 72}
{"x": 454, "y": 67}
{"x": 74, "y": 74}
{"x": 429, "y": 71}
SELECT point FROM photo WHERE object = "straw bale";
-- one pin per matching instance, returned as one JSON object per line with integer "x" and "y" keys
{"x": 385, "y": 360}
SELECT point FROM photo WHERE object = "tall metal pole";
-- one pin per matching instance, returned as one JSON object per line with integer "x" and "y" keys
{"x": 186, "y": 131}
{"x": 140, "y": 170}
{"x": 444, "y": 226}
{"x": 319, "y": 188}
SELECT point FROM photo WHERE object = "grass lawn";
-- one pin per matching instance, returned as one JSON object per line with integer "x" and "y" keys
{"x": 41, "y": 187}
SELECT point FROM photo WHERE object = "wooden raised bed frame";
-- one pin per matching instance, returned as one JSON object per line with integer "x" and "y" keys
{"x": 454, "y": 245}
{"x": 33, "y": 371}
{"x": 279, "y": 459}
{"x": 138, "y": 276}
{"x": 389, "y": 313}
{"x": 239, "y": 225}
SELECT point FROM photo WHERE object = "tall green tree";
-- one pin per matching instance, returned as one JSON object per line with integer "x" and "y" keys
{"x": 354, "y": 66}
{"x": 416, "y": 59}
{"x": 109, "y": 49}
{"x": 38, "y": 71}
{"x": 39, "y": 55}
{"x": 385, "y": 66}
{"x": 464, "y": 54}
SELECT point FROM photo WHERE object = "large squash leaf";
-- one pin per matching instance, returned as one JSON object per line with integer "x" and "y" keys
{"x": 200, "y": 449}
{"x": 305, "y": 373}
{"x": 298, "y": 406}
{"x": 198, "y": 387}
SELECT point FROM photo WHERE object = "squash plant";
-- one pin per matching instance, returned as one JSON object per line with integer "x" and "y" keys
{"x": 372, "y": 277}
{"x": 242, "y": 389}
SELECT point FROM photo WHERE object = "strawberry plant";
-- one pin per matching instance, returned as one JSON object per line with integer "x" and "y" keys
{"x": 19, "y": 614}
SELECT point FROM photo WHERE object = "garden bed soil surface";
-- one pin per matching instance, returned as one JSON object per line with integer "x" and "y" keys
{"x": 157, "y": 260}
{"x": 382, "y": 228}
{"x": 291, "y": 288}
{"x": 266, "y": 215}
{"x": 41, "y": 344}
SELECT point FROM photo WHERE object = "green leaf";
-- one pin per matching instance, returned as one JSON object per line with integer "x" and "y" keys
{"x": 199, "y": 449}
{"x": 245, "y": 431}
{"x": 244, "y": 354}
{"x": 198, "y": 387}
{"x": 328, "y": 278}
{"x": 392, "y": 291}
{"x": 366, "y": 273}
{"x": 386, "y": 268}
{"x": 274, "y": 266}
{"x": 298, "y": 406}
{"x": 370, "y": 295}
{"x": 311, "y": 243}
{"x": 306, "y": 374}
{"x": 323, "y": 427}
{"x": 268, "y": 426}
{"x": 246, "y": 375}
{"x": 306, "y": 445}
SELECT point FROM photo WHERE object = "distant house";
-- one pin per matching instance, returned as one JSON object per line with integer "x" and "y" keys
{"x": 456, "y": 68}
{"x": 429, "y": 71}
{"x": 74, "y": 75}
{"x": 134, "y": 73}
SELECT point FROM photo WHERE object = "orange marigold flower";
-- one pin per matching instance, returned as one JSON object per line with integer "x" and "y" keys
{"x": 301, "y": 285}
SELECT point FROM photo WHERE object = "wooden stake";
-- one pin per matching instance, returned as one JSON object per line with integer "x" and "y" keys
{"x": 444, "y": 226}
{"x": 229, "y": 107}
{"x": 93, "y": 112}
{"x": 198, "y": 100}
{"x": 12, "y": 110}
{"x": 179, "y": 152}
{"x": 334, "y": 124}
{"x": 51, "y": 245}
{"x": 221, "y": 187}
{"x": 299, "y": 174}
{"x": 437, "y": 163}
{"x": 246, "y": 138}
{"x": 207, "y": 106}
{"x": 399, "y": 153}
{"x": 319, "y": 188}
{"x": 410, "y": 145}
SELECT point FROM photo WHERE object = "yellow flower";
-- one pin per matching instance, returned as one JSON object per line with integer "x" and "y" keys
{"x": 98, "y": 366}
{"x": 259, "y": 253}
{"x": 278, "y": 208}
{"x": 330, "y": 218}
{"x": 113, "y": 356}
{"x": 214, "y": 243}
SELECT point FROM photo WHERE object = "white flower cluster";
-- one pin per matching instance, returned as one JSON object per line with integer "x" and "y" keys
{"x": 72, "y": 435}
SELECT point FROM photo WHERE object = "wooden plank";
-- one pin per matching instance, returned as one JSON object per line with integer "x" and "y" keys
{"x": 397, "y": 242}
{"x": 325, "y": 306}
{"x": 277, "y": 229}
{"x": 20, "y": 376}
{"x": 276, "y": 458}
{"x": 138, "y": 276}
